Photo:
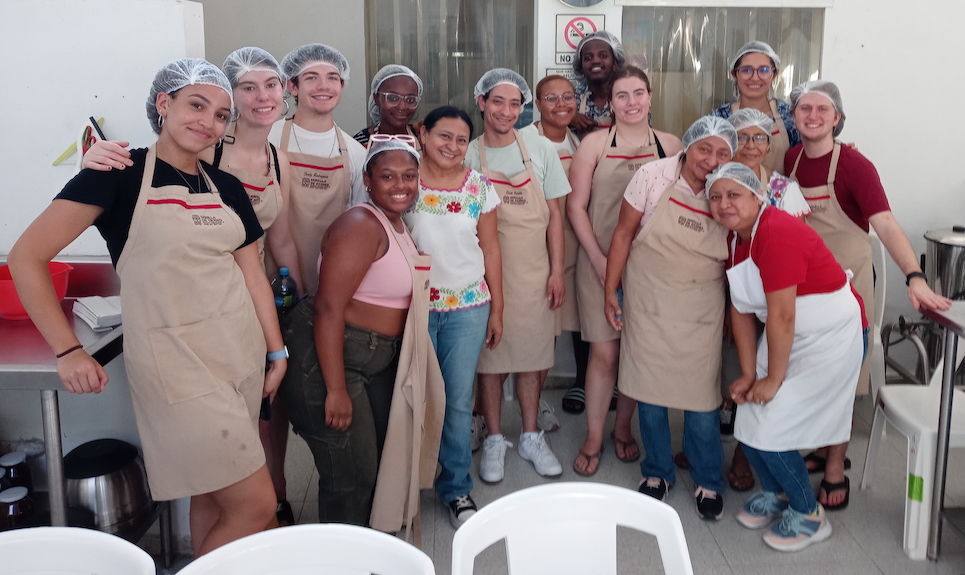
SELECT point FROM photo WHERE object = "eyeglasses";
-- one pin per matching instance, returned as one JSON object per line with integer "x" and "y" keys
{"x": 759, "y": 139}
{"x": 408, "y": 139}
{"x": 567, "y": 97}
{"x": 763, "y": 72}
{"x": 395, "y": 99}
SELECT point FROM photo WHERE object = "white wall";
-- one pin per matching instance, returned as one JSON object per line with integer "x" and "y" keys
{"x": 900, "y": 77}
{"x": 280, "y": 26}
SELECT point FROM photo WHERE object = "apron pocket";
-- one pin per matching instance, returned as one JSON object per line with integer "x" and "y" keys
{"x": 193, "y": 360}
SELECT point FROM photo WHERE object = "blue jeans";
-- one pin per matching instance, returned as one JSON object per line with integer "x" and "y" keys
{"x": 457, "y": 337}
{"x": 701, "y": 445}
{"x": 783, "y": 472}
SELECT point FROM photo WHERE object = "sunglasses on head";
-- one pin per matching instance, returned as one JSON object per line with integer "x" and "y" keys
{"x": 408, "y": 139}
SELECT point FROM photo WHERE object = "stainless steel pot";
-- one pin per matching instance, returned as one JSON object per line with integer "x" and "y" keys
{"x": 945, "y": 261}
{"x": 107, "y": 477}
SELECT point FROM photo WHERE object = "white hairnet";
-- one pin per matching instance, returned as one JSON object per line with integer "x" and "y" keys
{"x": 708, "y": 126}
{"x": 178, "y": 74}
{"x": 603, "y": 36}
{"x": 755, "y": 46}
{"x": 747, "y": 117}
{"x": 390, "y": 71}
{"x": 739, "y": 173}
{"x": 498, "y": 76}
{"x": 377, "y": 147}
{"x": 247, "y": 59}
{"x": 827, "y": 89}
{"x": 296, "y": 61}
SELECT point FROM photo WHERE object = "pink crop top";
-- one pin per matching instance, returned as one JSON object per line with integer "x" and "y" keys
{"x": 388, "y": 282}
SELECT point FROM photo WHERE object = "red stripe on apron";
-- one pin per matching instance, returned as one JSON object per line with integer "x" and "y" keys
{"x": 186, "y": 205}
{"x": 338, "y": 167}
{"x": 510, "y": 184}
{"x": 631, "y": 157}
{"x": 695, "y": 210}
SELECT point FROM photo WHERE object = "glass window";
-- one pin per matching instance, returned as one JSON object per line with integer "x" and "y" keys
{"x": 450, "y": 44}
{"x": 687, "y": 51}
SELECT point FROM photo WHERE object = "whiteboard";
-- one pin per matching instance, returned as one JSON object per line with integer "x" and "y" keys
{"x": 65, "y": 60}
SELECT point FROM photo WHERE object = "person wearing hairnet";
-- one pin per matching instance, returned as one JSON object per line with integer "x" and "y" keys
{"x": 846, "y": 198}
{"x": 529, "y": 179}
{"x": 198, "y": 311}
{"x": 366, "y": 395}
{"x": 753, "y": 70}
{"x": 795, "y": 387}
{"x": 325, "y": 163}
{"x": 258, "y": 89}
{"x": 603, "y": 166}
{"x": 598, "y": 55}
{"x": 669, "y": 255}
{"x": 393, "y": 101}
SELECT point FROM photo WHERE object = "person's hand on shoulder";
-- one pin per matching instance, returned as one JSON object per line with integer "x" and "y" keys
{"x": 106, "y": 155}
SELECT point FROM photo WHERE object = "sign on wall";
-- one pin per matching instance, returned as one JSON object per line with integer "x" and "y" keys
{"x": 570, "y": 30}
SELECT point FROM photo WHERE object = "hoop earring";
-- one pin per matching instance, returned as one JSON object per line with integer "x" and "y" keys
{"x": 288, "y": 108}
{"x": 160, "y": 121}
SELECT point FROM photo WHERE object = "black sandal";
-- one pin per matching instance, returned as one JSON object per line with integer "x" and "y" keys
{"x": 820, "y": 463}
{"x": 828, "y": 487}
{"x": 574, "y": 400}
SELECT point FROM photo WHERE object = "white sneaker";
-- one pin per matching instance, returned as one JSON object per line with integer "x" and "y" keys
{"x": 533, "y": 448}
{"x": 477, "y": 431}
{"x": 492, "y": 464}
{"x": 546, "y": 419}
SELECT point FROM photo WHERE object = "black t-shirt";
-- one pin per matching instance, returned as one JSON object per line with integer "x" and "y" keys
{"x": 117, "y": 190}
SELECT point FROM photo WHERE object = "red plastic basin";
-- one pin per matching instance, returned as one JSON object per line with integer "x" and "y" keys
{"x": 10, "y": 306}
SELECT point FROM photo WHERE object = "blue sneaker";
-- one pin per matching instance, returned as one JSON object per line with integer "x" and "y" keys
{"x": 761, "y": 509}
{"x": 795, "y": 530}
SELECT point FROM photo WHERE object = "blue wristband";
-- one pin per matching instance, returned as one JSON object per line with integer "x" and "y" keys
{"x": 280, "y": 354}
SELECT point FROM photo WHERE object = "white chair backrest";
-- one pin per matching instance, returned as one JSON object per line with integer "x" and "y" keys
{"x": 880, "y": 263}
{"x": 313, "y": 549}
{"x": 70, "y": 551}
{"x": 569, "y": 527}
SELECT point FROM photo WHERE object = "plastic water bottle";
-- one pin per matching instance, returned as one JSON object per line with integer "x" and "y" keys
{"x": 285, "y": 290}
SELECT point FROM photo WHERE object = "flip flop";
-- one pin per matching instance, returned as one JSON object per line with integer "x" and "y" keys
{"x": 574, "y": 400}
{"x": 592, "y": 463}
{"x": 829, "y": 487}
{"x": 681, "y": 461}
{"x": 630, "y": 449}
{"x": 740, "y": 481}
{"x": 820, "y": 463}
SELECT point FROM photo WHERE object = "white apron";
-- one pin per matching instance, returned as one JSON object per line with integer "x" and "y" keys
{"x": 814, "y": 404}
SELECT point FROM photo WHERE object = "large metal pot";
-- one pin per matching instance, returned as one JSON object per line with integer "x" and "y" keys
{"x": 107, "y": 477}
{"x": 945, "y": 261}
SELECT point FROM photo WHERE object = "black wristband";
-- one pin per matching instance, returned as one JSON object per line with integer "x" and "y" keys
{"x": 71, "y": 350}
{"x": 914, "y": 275}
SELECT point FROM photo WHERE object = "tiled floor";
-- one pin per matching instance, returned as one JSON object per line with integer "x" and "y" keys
{"x": 867, "y": 535}
{"x": 866, "y": 539}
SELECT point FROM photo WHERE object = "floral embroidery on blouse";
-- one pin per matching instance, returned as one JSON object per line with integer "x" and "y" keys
{"x": 444, "y": 299}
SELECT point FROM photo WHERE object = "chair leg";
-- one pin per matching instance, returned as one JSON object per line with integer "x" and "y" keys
{"x": 918, "y": 493}
{"x": 874, "y": 444}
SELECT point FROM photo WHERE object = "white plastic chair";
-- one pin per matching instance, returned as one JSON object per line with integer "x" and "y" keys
{"x": 311, "y": 549}
{"x": 913, "y": 411}
{"x": 70, "y": 551}
{"x": 877, "y": 348}
{"x": 569, "y": 528}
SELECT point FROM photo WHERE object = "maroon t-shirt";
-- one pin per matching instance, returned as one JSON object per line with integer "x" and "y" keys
{"x": 789, "y": 253}
{"x": 857, "y": 185}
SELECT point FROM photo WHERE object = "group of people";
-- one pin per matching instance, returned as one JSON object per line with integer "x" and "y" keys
{"x": 431, "y": 260}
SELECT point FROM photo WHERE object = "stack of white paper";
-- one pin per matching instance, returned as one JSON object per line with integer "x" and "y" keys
{"x": 100, "y": 313}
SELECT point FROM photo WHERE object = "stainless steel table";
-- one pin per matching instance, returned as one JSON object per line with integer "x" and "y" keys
{"x": 27, "y": 363}
{"x": 953, "y": 321}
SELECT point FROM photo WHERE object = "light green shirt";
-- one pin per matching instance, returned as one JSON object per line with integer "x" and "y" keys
{"x": 547, "y": 168}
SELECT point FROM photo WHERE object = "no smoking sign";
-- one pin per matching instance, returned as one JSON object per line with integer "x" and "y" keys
{"x": 571, "y": 28}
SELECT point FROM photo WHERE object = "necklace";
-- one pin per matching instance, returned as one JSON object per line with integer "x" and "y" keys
{"x": 334, "y": 150}
{"x": 200, "y": 188}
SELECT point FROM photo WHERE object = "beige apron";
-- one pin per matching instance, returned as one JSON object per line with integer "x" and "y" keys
{"x": 529, "y": 325}
{"x": 601, "y": 122}
{"x": 673, "y": 314}
{"x": 320, "y": 191}
{"x": 264, "y": 190}
{"x": 850, "y": 245}
{"x": 411, "y": 447}
{"x": 567, "y": 315}
{"x": 780, "y": 141}
{"x": 193, "y": 347}
{"x": 614, "y": 170}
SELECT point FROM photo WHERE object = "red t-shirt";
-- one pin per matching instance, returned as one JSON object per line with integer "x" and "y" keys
{"x": 857, "y": 185}
{"x": 789, "y": 252}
